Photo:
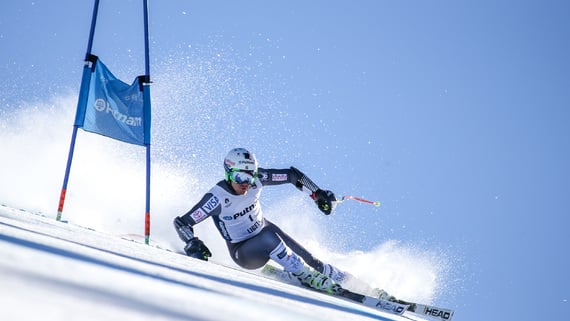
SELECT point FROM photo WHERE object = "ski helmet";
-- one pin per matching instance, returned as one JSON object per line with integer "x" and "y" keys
{"x": 240, "y": 160}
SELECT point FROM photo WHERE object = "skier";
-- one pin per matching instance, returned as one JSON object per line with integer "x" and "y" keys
{"x": 233, "y": 204}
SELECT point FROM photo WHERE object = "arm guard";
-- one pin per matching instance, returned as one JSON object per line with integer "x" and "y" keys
{"x": 185, "y": 231}
{"x": 303, "y": 183}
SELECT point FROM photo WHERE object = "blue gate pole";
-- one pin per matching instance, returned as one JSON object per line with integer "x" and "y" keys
{"x": 147, "y": 118}
{"x": 80, "y": 114}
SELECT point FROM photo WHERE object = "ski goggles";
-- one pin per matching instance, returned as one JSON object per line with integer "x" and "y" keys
{"x": 242, "y": 177}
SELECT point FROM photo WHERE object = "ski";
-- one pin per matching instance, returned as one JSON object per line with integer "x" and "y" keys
{"x": 378, "y": 304}
{"x": 398, "y": 307}
{"x": 429, "y": 311}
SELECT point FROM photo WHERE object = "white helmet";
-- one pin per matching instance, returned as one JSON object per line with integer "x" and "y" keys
{"x": 240, "y": 160}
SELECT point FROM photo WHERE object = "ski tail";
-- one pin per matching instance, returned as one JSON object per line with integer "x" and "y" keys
{"x": 280, "y": 275}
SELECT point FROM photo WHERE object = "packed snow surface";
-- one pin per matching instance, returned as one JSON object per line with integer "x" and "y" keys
{"x": 59, "y": 271}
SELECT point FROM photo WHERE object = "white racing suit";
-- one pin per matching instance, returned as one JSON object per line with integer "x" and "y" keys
{"x": 251, "y": 239}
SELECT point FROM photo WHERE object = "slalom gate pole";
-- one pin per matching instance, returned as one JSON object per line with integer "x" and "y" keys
{"x": 66, "y": 177}
{"x": 358, "y": 199}
{"x": 81, "y": 96}
{"x": 147, "y": 115}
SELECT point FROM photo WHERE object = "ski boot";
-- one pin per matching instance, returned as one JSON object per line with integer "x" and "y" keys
{"x": 316, "y": 280}
{"x": 334, "y": 273}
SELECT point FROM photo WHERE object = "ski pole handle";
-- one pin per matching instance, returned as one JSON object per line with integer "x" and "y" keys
{"x": 358, "y": 199}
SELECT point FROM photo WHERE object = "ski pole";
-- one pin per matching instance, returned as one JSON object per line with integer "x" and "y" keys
{"x": 358, "y": 199}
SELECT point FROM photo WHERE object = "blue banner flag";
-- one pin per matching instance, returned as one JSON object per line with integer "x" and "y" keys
{"x": 112, "y": 108}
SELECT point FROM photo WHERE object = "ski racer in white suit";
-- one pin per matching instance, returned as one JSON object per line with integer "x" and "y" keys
{"x": 233, "y": 204}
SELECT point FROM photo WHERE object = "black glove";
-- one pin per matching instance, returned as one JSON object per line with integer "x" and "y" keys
{"x": 326, "y": 201}
{"x": 197, "y": 249}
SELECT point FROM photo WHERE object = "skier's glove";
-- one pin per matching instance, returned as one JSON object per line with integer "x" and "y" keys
{"x": 326, "y": 201}
{"x": 197, "y": 249}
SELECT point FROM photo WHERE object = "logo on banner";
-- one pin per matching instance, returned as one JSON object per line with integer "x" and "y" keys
{"x": 101, "y": 105}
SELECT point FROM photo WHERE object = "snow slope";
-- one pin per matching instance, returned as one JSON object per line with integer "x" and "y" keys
{"x": 57, "y": 271}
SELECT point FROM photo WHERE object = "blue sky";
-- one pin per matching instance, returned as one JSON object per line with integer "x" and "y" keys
{"x": 454, "y": 114}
